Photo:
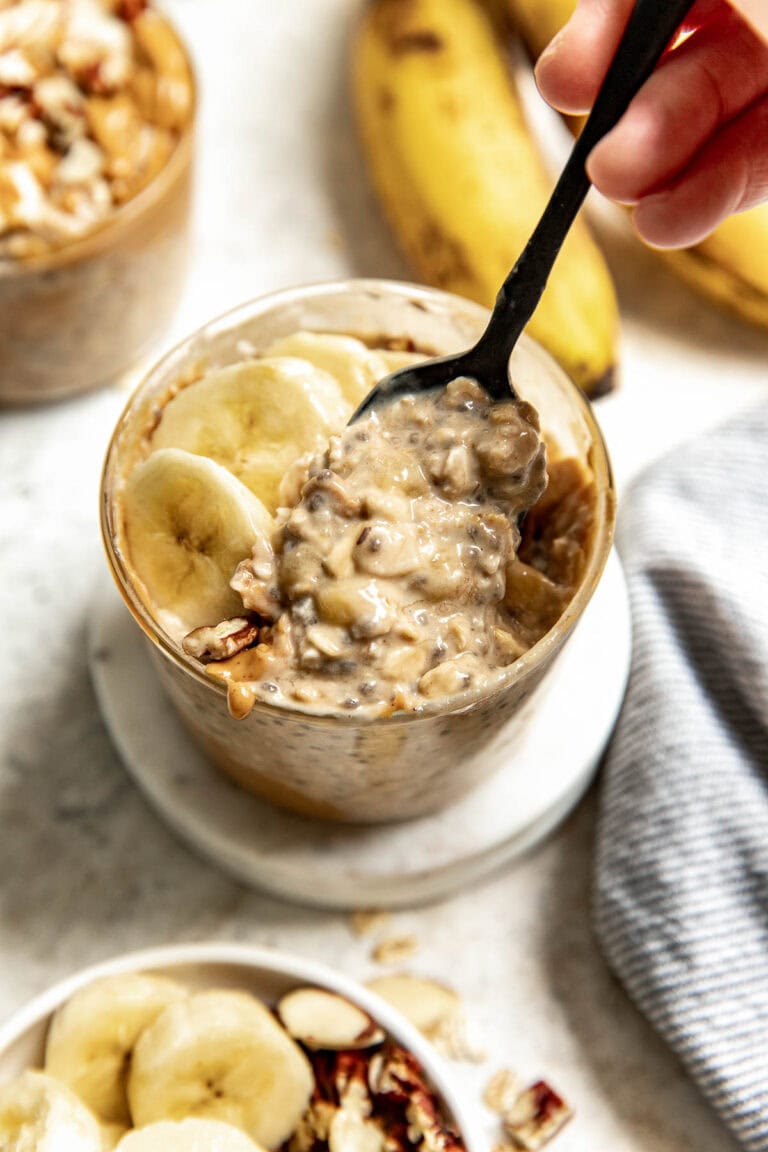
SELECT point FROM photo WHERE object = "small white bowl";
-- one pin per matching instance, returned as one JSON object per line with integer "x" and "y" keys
{"x": 262, "y": 971}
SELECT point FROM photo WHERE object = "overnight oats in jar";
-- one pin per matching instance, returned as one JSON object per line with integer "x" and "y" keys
{"x": 349, "y": 619}
{"x": 97, "y": 103}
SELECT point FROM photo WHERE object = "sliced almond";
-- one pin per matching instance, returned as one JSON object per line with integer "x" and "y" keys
{"x": 537, "y": 1115}
{"x": 324, "y": 1020}
{"x": 424, "y": 1002}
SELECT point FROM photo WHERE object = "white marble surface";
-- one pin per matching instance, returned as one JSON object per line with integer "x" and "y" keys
{"x": 85, "y": 869}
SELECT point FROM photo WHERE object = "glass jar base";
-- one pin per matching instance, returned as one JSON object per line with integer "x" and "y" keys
{"x": 322, "y": 862}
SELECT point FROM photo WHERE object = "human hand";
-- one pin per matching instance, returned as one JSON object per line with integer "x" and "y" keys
{"x": 693, "y": 146}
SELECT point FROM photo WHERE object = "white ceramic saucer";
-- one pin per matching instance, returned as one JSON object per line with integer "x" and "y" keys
{"x": 391, "y": 865}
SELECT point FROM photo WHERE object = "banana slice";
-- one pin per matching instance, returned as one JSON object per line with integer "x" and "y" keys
{"x": 111, "y": 1135}
{"x": 37, "y": 1114}
{"x": 356, "y": 368}
{"x": 187, "y": 524}
{"x": 92, "y": 1036}
{"x": 394, "y": 360}
{"x": 187, "y": 1136}
{"x": 221, "y": 1055}
{"x": 255, "y": 419}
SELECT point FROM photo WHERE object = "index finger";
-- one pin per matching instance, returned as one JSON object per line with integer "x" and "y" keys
{"x": 571, "y": 69}
{"x": 755, "y": 12}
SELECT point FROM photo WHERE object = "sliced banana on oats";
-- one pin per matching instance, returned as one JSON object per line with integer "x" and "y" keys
{"x": 92, "y": 1036}
{"x": 424, "y": 1002}
{"x": 38, "y": 1114}
{"x": 324, "y": 1020}
{"x": 187, "y": 1136}
{"x": 356, "y": 368}
{"x": 255, "y": 419}
{"x": 221, "y": 1055}
{"x": 394, "y": 359}
{"x": 187, "y": 524}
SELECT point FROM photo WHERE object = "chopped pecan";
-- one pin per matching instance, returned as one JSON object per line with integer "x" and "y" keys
{"x": 130, "y": 10}
{"x": 537, "y": 1115}
{"x": 220, "y": 641}
{"x": 313, "y": 1128}
{"x": 327, "y": 488}
{"x": 425, "y": 1125}
{"x": 254, "y": 581}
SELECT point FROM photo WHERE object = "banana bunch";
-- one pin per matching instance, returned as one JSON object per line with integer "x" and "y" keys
{"x": 193, "y": 509}
{"x": 731, "y": 265}
{"x": 460, "y": 177}
{"x": 210, "y": 1071}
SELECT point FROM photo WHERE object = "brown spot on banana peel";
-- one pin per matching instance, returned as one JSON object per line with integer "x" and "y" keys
{"x": 418, "y": 41}
{"x": 604, "y": 385}
{"x": 386, "y": 100}
{"x": 720, "y": 284}
{"x": 397, "y": 26}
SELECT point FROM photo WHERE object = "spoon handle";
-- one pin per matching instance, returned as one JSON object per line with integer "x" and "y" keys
{"x": 648, "y": 32}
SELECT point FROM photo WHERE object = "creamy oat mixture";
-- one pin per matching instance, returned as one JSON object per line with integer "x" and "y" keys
{"x": 93, "y": 97}
{"x": 397, "y": 572}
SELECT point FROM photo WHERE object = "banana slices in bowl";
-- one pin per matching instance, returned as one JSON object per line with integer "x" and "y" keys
{"x": 219, "y": 1049}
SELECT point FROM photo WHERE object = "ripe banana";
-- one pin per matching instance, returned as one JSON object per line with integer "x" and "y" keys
{"x": 357, "y": 369}
{"x": 187, "y": 1136}
{"x": 538, "y": 21}
{"x": 220, "y": 1055}
{"x": 731, "y": 265}
{"x": 92, "y": 1036}
{"x": 460, "y": 177}
{"x": 255, "y": 419}
{"x": 187, "y": 524}
{"x": 37, "y": 1114}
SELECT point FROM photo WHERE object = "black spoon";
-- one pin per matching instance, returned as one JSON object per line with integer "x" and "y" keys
{"x": 648, "y": 32}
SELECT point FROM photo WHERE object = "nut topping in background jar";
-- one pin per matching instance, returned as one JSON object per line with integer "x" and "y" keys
{"x": 96, "y": 109}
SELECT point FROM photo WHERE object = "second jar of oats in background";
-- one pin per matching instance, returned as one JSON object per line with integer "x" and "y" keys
{"x": 320, "y": 761}
{"x": 96, "y": 147}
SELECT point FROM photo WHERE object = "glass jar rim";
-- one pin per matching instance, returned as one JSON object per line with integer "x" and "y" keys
{"x": 405, "y": 293}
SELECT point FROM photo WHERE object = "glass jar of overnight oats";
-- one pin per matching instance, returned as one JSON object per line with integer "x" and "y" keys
{"x": 307, "y": 750}
{"x": 97, "y": 110}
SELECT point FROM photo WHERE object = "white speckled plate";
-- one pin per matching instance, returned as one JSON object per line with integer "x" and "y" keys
{"x": 340, "y": 866}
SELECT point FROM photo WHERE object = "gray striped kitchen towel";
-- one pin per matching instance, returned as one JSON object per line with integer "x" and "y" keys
{"x": 682, "y": 861}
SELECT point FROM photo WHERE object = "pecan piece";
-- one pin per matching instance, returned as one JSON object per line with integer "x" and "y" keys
{"x": 537, "y": 1115}
{"x": 130, "y": 10}
{"x": 220, "y": 641}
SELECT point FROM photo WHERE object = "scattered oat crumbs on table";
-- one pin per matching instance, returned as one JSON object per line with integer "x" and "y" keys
{"x": 368, "y": 921}
{"x": 394, "y": 949}
{"x": 502, "y": 1090}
